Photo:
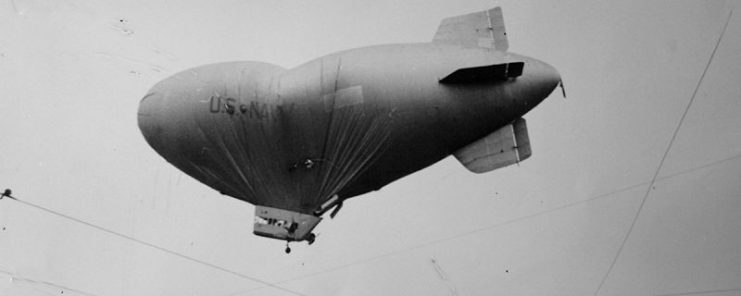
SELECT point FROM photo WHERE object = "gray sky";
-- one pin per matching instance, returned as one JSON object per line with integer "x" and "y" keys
{"x": 72, "y": 73}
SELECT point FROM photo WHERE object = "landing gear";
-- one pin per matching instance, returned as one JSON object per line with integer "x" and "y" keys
{"x": 310, "y": 238}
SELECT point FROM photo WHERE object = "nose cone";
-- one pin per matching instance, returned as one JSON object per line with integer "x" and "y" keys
{"x": 173, "y": 104}
{"x": 544, "y": 75}
{"x": 149, "y": 103}
{"x": 149, "y": 116}
{"x": 537, "y": 82}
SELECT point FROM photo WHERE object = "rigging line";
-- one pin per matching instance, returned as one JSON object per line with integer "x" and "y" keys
{"x": 663, "y": 158}
{"x": 214, "y": 266}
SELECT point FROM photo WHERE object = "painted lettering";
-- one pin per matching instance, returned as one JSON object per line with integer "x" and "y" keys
{"x": 254, "y": 110}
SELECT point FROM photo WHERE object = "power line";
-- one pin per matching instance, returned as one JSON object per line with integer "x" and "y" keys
{"x": 418, "y": 246}
{"x": 362, "y": 261}
{"x": 663, "y": 158}
{"x": 214, "y": 266}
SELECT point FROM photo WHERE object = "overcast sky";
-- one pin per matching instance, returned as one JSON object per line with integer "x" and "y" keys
{"x": 72, "y": 73}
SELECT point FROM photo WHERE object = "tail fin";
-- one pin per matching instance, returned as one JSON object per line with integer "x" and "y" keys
{"x": 506, "y": 146}
{"x": 479, "y": 29}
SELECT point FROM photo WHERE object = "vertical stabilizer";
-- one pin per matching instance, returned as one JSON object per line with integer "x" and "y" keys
{"x": 479, "y": 29}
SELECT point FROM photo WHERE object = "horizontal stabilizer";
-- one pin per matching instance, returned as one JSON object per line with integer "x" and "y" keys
{"x": 506, "y": 146}
{"x": 485, "y": 73}
{"x": 480, "y": 29}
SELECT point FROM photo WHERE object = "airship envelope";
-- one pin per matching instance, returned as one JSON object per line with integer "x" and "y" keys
{"x": 298, "y": 142}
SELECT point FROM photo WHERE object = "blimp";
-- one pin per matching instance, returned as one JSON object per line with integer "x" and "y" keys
{"x": 297, "y": 143}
